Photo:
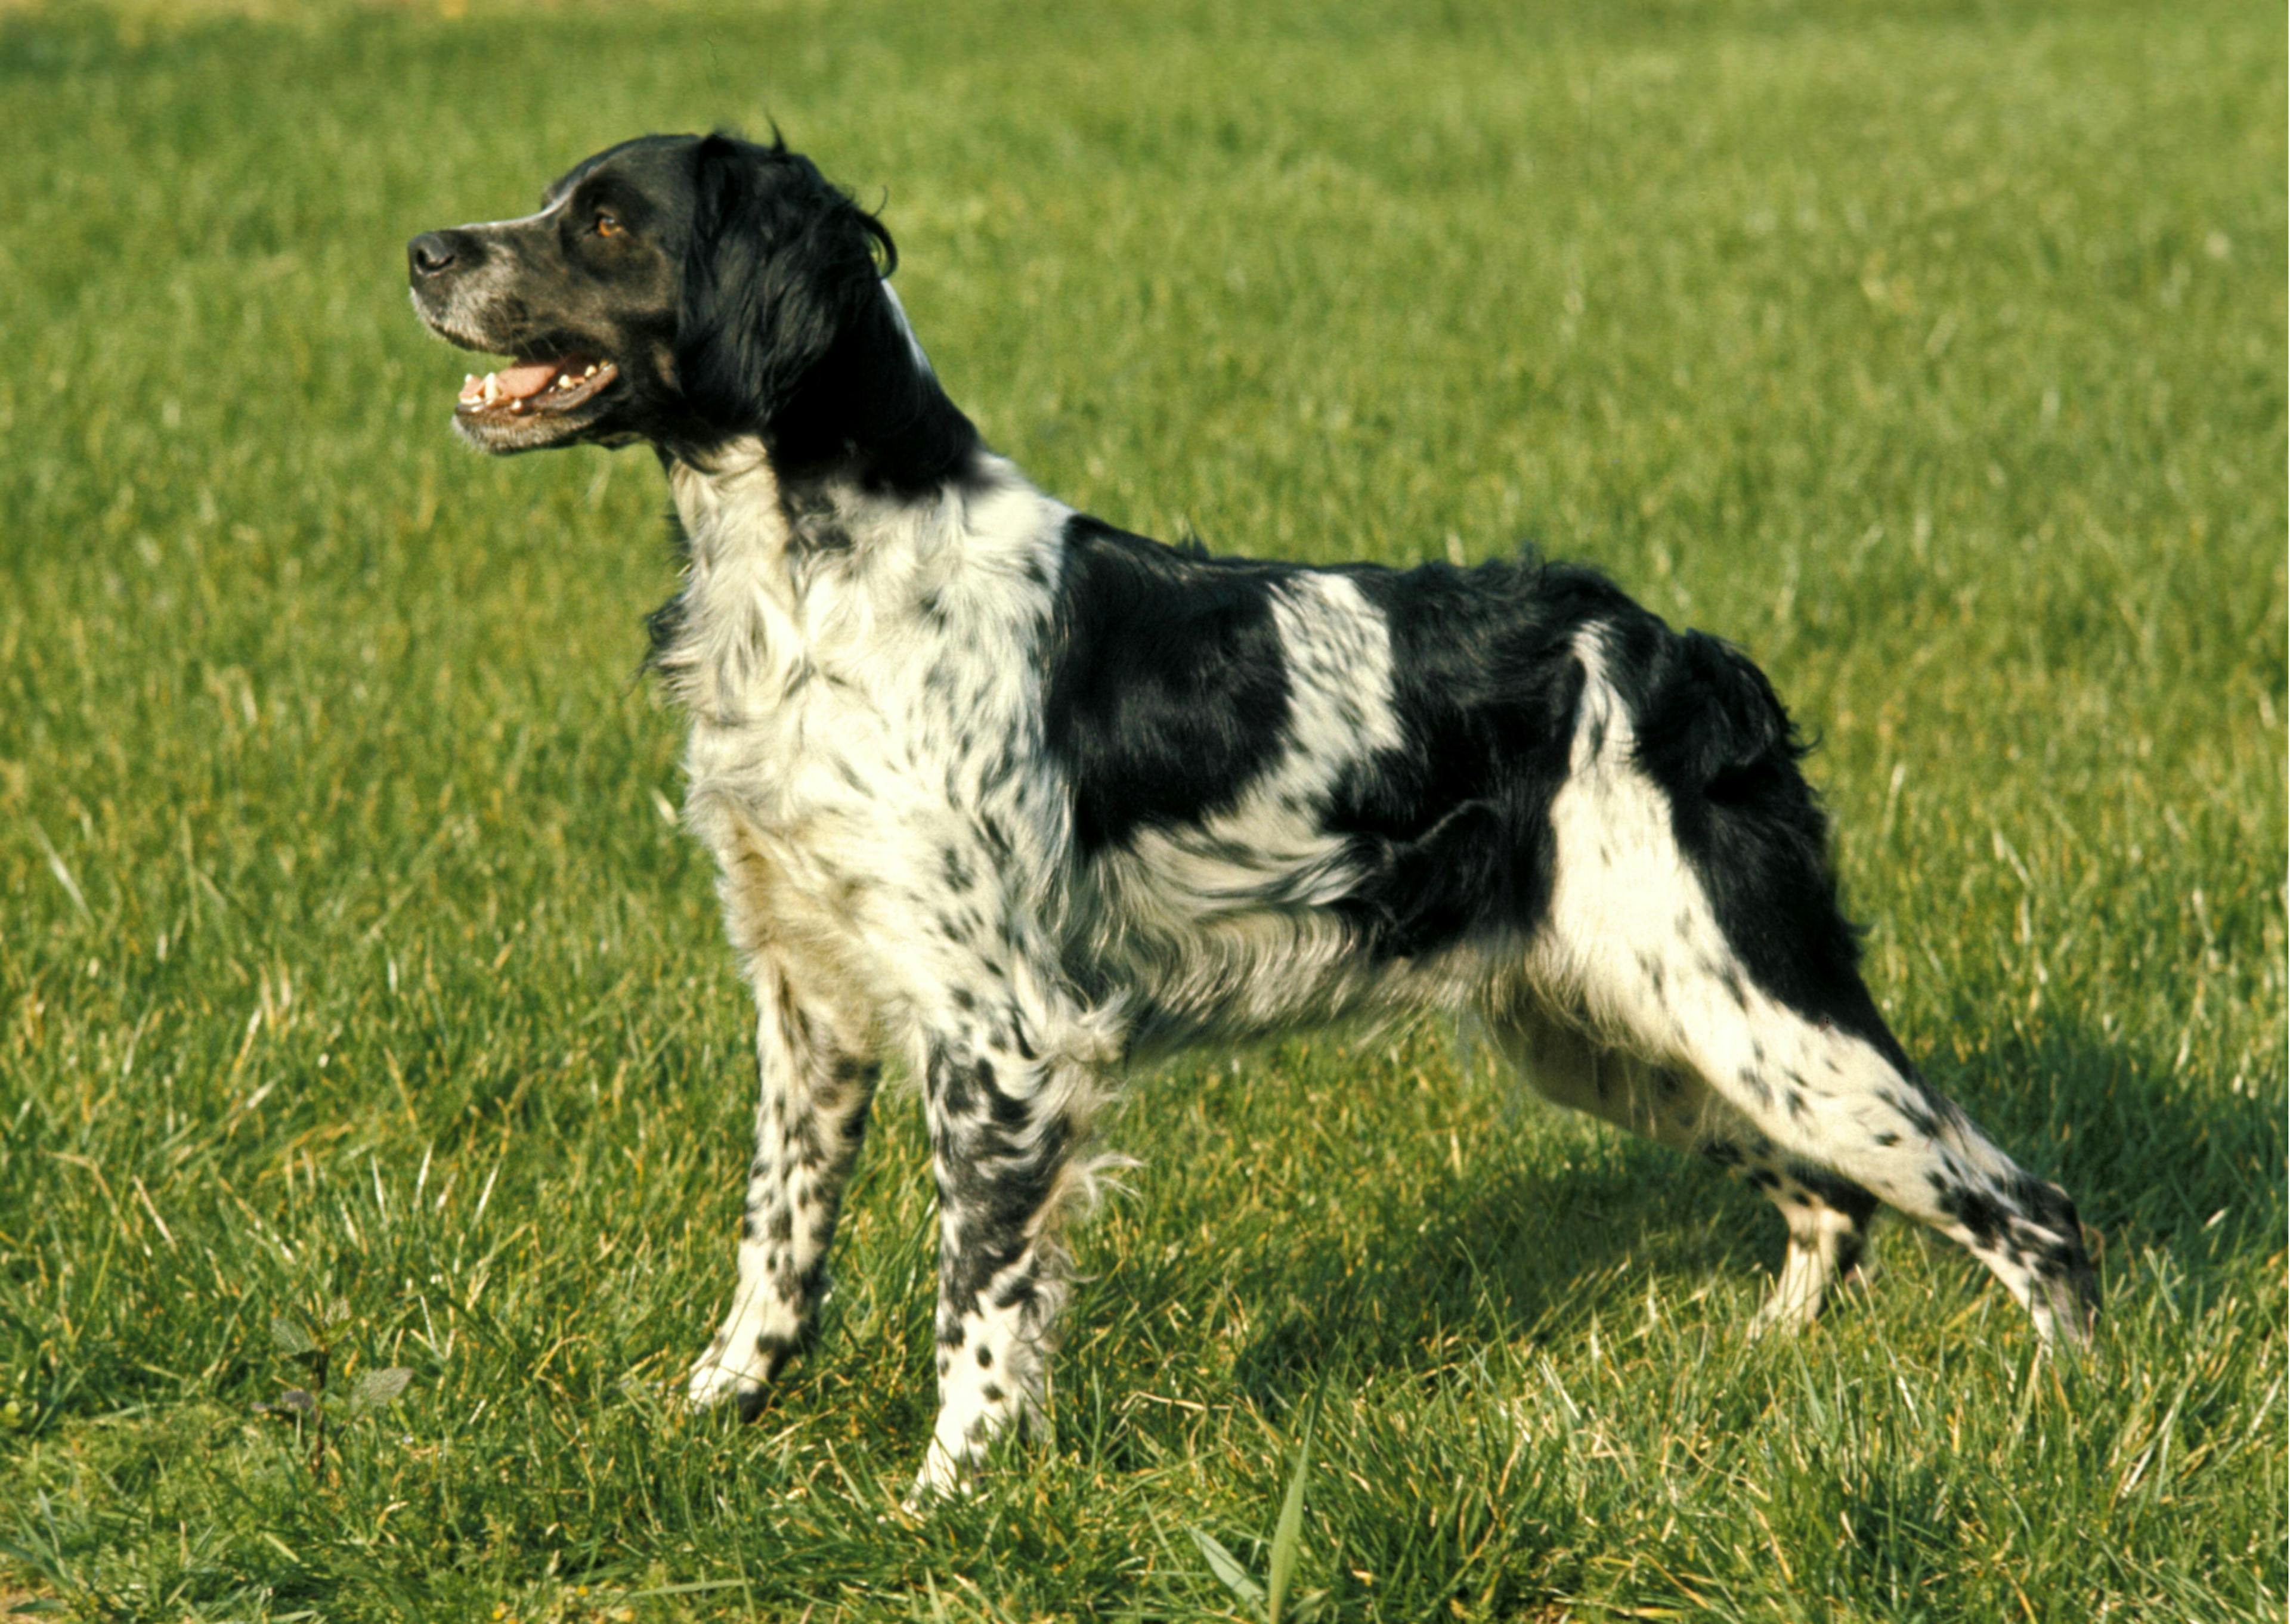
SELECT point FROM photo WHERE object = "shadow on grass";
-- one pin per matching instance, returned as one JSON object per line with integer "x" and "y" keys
{"x": 2154, "y": 1158}
{"x": 1516, "y": 1253}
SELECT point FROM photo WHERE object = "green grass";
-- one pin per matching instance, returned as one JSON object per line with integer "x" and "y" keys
{"x": 1935, "y": 352}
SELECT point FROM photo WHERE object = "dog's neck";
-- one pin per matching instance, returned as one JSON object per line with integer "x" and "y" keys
{"x": 782, "y": 572}
{"x": 740, "y": 508}
{"x": 731, "y": 638}
{"x": 870, "y": 413}
{"x": 728, "y": 503}
{"x": 867, "y": 442}
{"x": 869, "y": 486}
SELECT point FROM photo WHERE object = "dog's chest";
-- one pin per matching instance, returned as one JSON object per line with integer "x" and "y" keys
{"x": 853, "y": 702}
{"x": 791, "y": 721}
{"x": 798, "y": 675}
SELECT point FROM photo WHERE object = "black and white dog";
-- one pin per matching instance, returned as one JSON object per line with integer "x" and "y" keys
{"x": 1017, "y": 796}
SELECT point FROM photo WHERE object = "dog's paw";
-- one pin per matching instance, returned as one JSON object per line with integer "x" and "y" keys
{"x": 717, "y": 1377}
{"x": 1805, "y": 1292}
{"x": 941, "y": 1477}
{"x": 2066, "y": 1312}
{"x": 1783, "y": 1316}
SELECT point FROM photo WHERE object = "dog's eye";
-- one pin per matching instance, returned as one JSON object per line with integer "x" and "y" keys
{"x": 606, "y": 226}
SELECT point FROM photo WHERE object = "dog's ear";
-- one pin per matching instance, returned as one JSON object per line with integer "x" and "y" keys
{"x": 782, "y": 267}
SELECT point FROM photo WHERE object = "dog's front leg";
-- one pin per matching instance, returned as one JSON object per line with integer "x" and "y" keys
{"x": 811, "y": 1112}
{"x": 1008, "y": 1107}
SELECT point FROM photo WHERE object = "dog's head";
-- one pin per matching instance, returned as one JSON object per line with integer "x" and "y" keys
{"x": 682, "y": 290}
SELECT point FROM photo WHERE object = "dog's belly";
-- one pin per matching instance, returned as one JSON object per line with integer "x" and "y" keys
{"x": 1204, "y": 944}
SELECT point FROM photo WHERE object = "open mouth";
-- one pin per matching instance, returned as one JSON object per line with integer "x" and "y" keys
{"x": 534, "y": 388}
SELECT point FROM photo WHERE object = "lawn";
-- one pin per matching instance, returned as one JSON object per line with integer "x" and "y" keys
{"x": 349, "y": 950}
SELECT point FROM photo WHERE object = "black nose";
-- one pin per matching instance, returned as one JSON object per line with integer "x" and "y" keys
{"x": 430, "y": 253}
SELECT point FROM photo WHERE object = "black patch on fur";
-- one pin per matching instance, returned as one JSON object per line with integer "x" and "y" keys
{"x": 996, "y": 1172}
{"x": 1711, "y": 733}
{"x": 1167, "y": 690}
{"x": 1921, "y": 1121}
{"x": 814, "y": 525}
{"x": 2064, "y": 1259}
{"x": 1834, "y": 1190}
{"x": 1451, "y": 831}
{"x": 1985, "y": 1219}
{"x": 664, "y": 626}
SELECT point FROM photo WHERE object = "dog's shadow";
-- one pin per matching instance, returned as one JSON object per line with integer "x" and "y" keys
{"x": 1515, "y": 1251}
{"x": 1410, "y": 1284}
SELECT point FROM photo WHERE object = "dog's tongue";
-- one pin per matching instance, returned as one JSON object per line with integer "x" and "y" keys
{"x": 517, "y": 382}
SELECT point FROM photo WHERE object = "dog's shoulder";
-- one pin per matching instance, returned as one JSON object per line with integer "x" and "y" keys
{"x": 1166, "y": 684}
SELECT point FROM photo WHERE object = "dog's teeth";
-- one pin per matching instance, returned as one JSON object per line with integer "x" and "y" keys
{"x": 516, "y": 406}
{"x": 592, "y": 372}
{"x": 493, "y": 390}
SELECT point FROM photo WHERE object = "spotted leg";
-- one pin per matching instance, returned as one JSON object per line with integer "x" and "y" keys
{"x": 1693, "y": 917}
{"x": 811, "y": 1114}
{"x": 1009, "y": 1087}
{"x": 1828, "y": 1215}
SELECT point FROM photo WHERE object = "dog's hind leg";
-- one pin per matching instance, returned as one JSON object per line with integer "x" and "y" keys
{"x": 1847, "y": 1105}
{"x": 1827, "y": 1215}
{"x": 811, "y": 1112}
{"x": 1692, "y": 914}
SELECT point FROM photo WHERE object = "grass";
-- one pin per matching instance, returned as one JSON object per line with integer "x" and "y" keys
{"x": 1935, "y": 352}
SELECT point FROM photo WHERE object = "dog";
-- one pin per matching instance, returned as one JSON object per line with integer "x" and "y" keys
{"x": 1017, "y": 797}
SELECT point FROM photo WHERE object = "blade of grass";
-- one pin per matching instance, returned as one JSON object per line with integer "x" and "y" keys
{"x": 1288, "y": 1534}
{"x": 1228, "y": 1568}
